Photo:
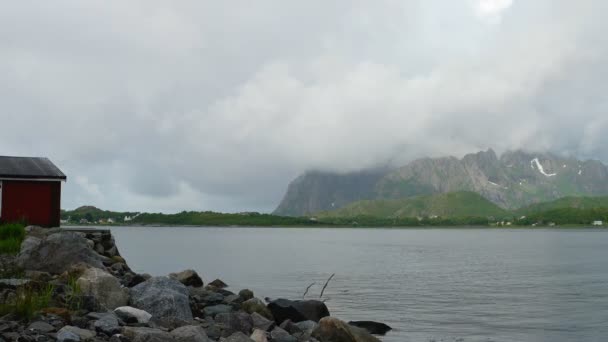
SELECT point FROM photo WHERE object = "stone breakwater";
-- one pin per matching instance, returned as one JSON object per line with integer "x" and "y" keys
{"x": 90, "y": 294}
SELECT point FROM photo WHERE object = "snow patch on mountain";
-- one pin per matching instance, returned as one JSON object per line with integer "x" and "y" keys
{"x": 540, "y": 168}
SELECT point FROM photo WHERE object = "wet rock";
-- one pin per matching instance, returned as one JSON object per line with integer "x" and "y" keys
{"x": 375, "y": 328}
{"x": 331, "y": 329}
{"x": 105, "y": 288}
{"x": 190, "y": 333}
{"x": 143, "y": 334}
{"x": 163, "y": 297}
{"x": 130, "y": 314}
{"x": 297, "y": 310}
{"x": 188, "y": 278}
{"x": 56, "y": 253}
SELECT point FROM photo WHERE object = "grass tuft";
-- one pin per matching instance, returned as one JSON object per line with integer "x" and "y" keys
{"x": 28, "y": 301}
{"x": 11, "y": 236}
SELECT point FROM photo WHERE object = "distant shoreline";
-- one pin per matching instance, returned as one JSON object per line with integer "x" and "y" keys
{"x": 93, "y": 226}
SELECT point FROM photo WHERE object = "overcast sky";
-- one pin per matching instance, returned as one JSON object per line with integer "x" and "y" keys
{"x": 217, "y": 105}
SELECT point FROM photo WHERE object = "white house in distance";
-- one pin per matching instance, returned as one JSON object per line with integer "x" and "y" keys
{"x": 598, "y": 223}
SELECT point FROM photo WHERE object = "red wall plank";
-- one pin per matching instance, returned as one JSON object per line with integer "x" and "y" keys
{"x": 35, "y": 203}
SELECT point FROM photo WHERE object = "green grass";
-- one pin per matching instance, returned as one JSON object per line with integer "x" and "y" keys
{"x": 28, "y": 301}
{"x": 11, "y": 236}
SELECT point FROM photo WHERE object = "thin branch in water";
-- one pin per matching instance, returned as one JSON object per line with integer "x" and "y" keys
{"x": 308, "y": 288}
{"x": 324, "y": 286}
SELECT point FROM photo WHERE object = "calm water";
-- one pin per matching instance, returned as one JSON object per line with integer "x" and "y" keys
{"x": 430, "y": 285}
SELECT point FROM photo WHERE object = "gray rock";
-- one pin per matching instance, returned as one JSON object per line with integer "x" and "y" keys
{"x": 291, "y": 327}
{"x": 99, "y": 249}
{"x": 40, "y": 327}
{"x": 259, "y": 336}
{"x": 235, "y": 321}
{"x": 163, "y": 297}
{"x": 13, "y": 283}
{"x": 70, "y": 333}
{"x": 190, "y": 333}
{"x": 233, "y": 299}
{"x": 104, "y": 287}
{"x": 212, "y": 299}
{"x": 108, "y": 324}
{"x": 279, "y": 333}
{"x": 132, "y": 315}
{"x": 188, "y": 278}
{"x": 112, "y": 251}
{"x": 211, "y": 311}
{"x": 67, "y": 336}
{"x": 119, "y": 338}
{"x": 57, "y": 252}
{"x": 307, "y": 326}
{"x": 256, "y": 305}
{"x": 331, "y": 329}
{"x": 238, "y": 337}
{"x": 298, "y": 310}
{"x": 142, "y": 334}
{"x": 217, "y": 283}
{"x": 246, "y": 294}
{"x": 262, "y": 323}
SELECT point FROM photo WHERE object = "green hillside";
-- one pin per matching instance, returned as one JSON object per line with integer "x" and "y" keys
{"x": 566, "y": 203}
{"x": 453, "y": 204}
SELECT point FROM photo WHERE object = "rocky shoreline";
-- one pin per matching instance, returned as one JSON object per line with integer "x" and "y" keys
{"x": 74, "y": 286}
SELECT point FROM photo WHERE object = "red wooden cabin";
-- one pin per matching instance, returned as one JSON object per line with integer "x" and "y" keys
{"x": 30, "y": 191}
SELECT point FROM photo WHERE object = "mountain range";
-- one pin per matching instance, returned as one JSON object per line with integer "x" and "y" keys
{"x": 513, "y": 180}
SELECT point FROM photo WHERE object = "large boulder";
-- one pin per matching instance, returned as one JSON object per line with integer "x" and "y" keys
{"x": 375, "y": 328}
{"x": 104, "y": 287}
{"x": 163, "y": 297}
{"x": 331, "y": 329}
{"x": 188, "y": 278}
{"x": 57, "y": 253}
{"x": 297, "y": 310}
{"x": 190, "y": 333}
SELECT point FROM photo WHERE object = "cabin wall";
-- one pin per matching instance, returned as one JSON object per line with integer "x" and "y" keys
{"x": 33, "y": 202}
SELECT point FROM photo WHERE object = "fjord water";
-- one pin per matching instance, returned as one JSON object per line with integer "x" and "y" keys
{"x": 429, "y": 284}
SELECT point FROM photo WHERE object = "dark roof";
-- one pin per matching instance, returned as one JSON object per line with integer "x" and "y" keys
{"x": 29, "y": 168}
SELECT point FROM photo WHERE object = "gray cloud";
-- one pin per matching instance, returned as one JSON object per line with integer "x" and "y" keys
{"x": 159, "y": 106}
